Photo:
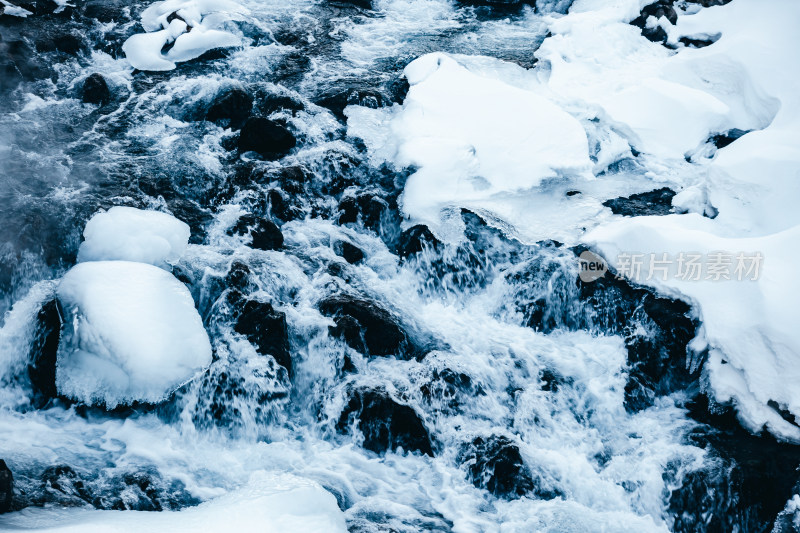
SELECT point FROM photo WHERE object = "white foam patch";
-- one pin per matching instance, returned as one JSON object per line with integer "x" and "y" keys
{"x": 268, "y": 503}
{"x": 130, "y": 234}
{"x": 131, "y": 333}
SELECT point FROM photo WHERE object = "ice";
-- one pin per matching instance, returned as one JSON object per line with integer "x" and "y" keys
{"x": 13, "y": 10}
{"x": 131, "y": 333}
{"x": 196, "y": 29}
{"x": 268, "y": 503}
{"x": 472, "y": 138}
{"x": 130, "y": 234}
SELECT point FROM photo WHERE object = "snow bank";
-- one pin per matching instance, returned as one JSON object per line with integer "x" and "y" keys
{"x": 750, "y": 327}
{"x": 268, "y": 503}
{"x": 193, "y": 28}
{"x": 130, "y": 234}
{"x": 472, "y": 137}
{"x": 131, "y": 333}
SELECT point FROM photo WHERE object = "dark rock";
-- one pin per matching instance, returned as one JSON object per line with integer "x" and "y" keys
{"x": 721, "y": 140}
{"x": 352, "y": 254}
{"x": 265, "y": 233}
{"x": 348, "y": 329}
{"x": 657, "y": 202}
{"x": 446, "y": 388}
{"x": 62, "y": 485}
{"x": 37, "y": 7}
{"x": 266, "y": 328}
{"x": 266, "y": 137}
{"x": 67, "y": 43}
{"x": 231, "y": 108}
{"x": 44, "y": 349}
{"x": 745, "y": 483}
{"x": 709, "y": 3}
{"x": 369, "y": 207}
{"x": 105, "y": 10}
{"x": 278, "y": 102}
{"x": 95, "y": 90}
{"x": 385, "y": 423}
{"x": 6, "y": 487}
{"x": 337, "y": 101}
{"x": 362, "y": 4}
{"x": 238, "y": 277}
{"x": 495, "y": 464}
{"x": 348, "y": 210}
{"x": 659, "y": 9}
{"x": 381, "y": 331}
{"x": 696, "y": 43}
{"x": 415, "y": 239}
{"x": 18, "y": 63}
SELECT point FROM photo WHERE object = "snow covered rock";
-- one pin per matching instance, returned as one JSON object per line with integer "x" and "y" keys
{"x": 192, "y": 27}
{"x": 130, "y": 234}
{"x": 131, "y": 333}
{"x": 473, "y": 137}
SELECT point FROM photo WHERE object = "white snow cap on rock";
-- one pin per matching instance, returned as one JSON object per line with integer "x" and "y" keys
{"x": 130, "y": 234}
{"x": 131, "y": 333}
{"x": 472, "y": 136}
{"x": 196, "y": 29}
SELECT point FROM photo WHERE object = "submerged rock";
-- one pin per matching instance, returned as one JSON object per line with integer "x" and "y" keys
{"x": 351, "y": 253}
{"x": 63, "y": 486}
{"x": 266, "y": 137}
{"x": 265, "y": 234}
{"x": 385, "y": 423}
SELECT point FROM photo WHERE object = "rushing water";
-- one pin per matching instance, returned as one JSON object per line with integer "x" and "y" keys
{"x": 539, "y": 402}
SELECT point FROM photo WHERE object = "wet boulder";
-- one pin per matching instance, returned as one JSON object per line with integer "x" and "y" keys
{"x": 264, "y": 327}
{"x": 95, "y": 90}
{"x": 64, "y": 42}
{"x": 6, "y": 487}
{"x": 336, "y": 101}
{"x": 63, "y": 486}
{"x": 381, "y": 332}
{"x": 495, "y": 464}
{"x": 266, "y": 137}
{"x": 367, "y": 207}
{"x": 385, "y": 423}
{"x": 265, "y": 234}
{"x": 415, "y": 239}
{"x": 231, "y": 108}
{"x": 44, "y": 349}
{"x": 105, "y": 10}
{"x": 18, "y": 63}
{"x": 351, "y": 253}
{"x": 238, "y": 276}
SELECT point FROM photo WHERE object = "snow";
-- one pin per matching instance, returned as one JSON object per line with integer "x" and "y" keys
{"x": 471, "y": 137}
{"x": 15, "y": 11}
{"x": 130, "y": 234}
{"x": 197, "y": 29}
{"x": 268, "y": 503}
{"x": 131, "y": 333}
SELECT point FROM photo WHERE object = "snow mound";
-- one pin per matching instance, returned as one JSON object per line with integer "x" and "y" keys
{"x": 472, "y": 137}
{"x": 131, "y": 333}
{"x": 269, "y": 503}
{"x": 192, "y": 28}
{"x": 130, "y": 234}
